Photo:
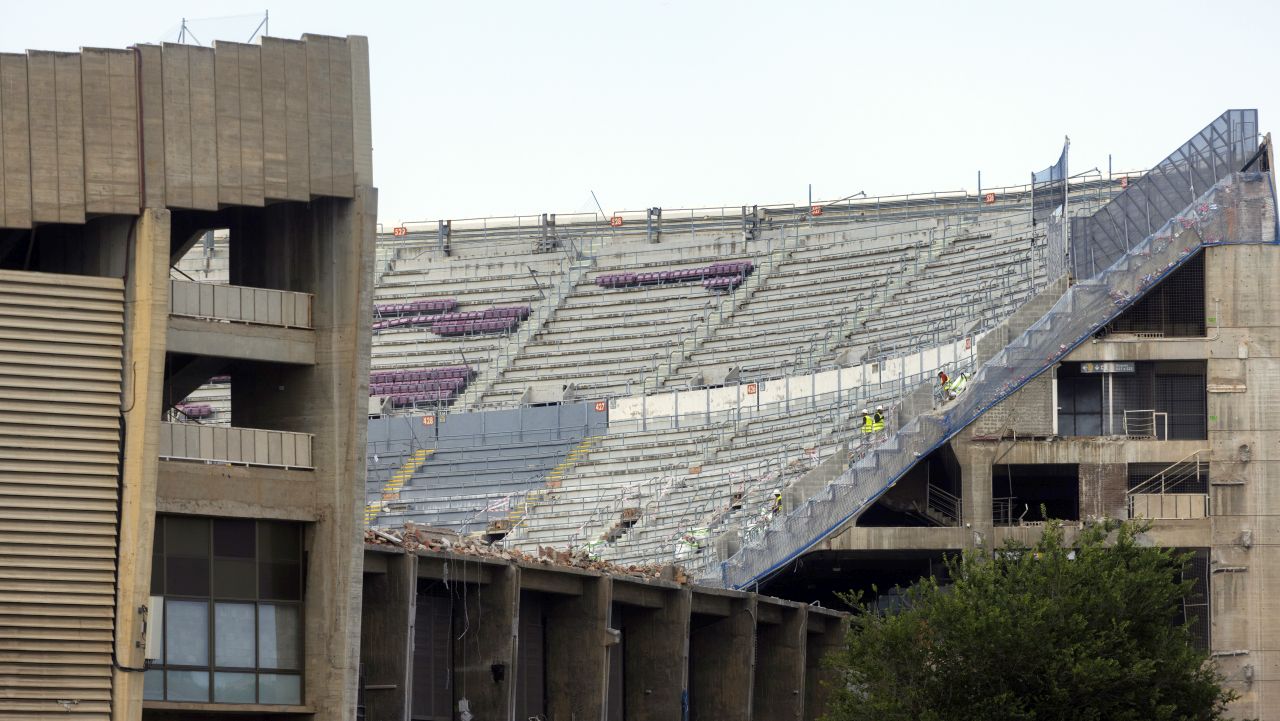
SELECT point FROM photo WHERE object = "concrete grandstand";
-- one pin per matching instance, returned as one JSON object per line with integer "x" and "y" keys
{"x": 687, "y": 386}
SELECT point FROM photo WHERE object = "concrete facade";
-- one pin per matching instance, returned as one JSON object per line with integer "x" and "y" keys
{"x": 686, "y": 651}
{"x": 133, "y": 154}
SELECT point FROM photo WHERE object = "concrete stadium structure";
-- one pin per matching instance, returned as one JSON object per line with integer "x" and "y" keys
{"x": 167, "y": 558}
{"x": 653, "y": 419}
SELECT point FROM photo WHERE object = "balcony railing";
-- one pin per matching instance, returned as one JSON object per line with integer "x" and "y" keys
{"x": 234, "y": 446}
{"x": 240, "y": 304}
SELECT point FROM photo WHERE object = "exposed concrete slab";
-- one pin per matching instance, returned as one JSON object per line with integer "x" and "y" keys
{"x": 656, "y": 651}
{"x": 925, "y": 539}
{"x": 241, "y": 341}
{"x": 577, "y": 651}
{"x": 484, "y": 654}
{"x": 206, "y": 489}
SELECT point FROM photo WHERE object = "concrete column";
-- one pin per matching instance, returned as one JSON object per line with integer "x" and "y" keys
{"x": 656, "y": 658}
{"x": 485, "y": 623}
{"x": 146, "y": 318}
{"x": 387, "y": 618}
{"x": 577, "y": 652}
{"x": 825, "y": 636}
{"x": 722, "y": 662}
{"x": 975, "y": 487}
{"x": 778, "y": 692}
{"x": 1102, "y": 490}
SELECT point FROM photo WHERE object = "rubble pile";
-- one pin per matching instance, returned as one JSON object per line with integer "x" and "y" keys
{"x": 414, "y": 538}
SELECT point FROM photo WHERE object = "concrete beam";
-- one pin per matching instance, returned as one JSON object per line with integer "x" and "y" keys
{"x": 204, "y": 489}
{"x": 578, "y": 651}
{"x": 655, "y": 643}
{"x": 387, "y": 618}
{"x": 778, "y": 689}
{"x": 722, "y": 658}
{"x": 898, "y": 539}
{"x": 557, "y": 581}
{"x": 242, "y": 341}
{"x": 485, "y": 626}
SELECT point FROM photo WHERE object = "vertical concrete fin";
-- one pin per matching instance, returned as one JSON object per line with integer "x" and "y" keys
{"x": 275, "y": 157}
{"x": 320, "y": 114}
{"x": 15, "y": 143}
{"x": 297, "y": 120}
{"x": 361, "y": 112}
{"x": 251, "y": 130}
{"x": 342, "y": 134}
{"x": 70, "y": 131}
{"x": 204, "y": 139}
{"x": 43, "y": 107}
{"x": 227, "y": 126}
{"x": 110, "y": 131}
{"x": 176, "y": 85}
{"x": 150, "y": 68}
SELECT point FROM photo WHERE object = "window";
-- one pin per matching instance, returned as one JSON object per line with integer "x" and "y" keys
{"x": 226, "y": 611}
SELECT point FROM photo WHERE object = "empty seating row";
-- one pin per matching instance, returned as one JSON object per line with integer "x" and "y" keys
{"x": 415, "y": 307}
{"x": 420, "y": 374}
{"x": 715, "y": 270}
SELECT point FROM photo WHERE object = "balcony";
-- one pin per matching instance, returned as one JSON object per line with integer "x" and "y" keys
{"x": 235, "y": 446}
{"x": 239, "y": 304}
{"x": 231, "y": 321}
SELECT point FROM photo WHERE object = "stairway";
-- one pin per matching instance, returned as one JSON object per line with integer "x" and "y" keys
{"x": 1240, "y": 209}
{"x": 391, "y": 489}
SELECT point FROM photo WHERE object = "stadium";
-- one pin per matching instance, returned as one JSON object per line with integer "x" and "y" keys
{"x": 265, "y": 459}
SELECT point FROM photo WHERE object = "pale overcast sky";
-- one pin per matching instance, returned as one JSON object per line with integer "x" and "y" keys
{"x": 496, "y": 108}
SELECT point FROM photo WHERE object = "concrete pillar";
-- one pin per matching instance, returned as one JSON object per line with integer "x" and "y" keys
{"x": 146, "y": 322}
{"x": 825, "y": 636}
{"x": 656, "y": 658}
{"x": 485, "y": 621}
{"x": 778, "y": 692}
{"x": 577, "y": 651}
{"x": 387, "y": 618}
{"x": 975, "y": 487}
{"x": 1102, "y": 490}
{"x": 722, "y": 662}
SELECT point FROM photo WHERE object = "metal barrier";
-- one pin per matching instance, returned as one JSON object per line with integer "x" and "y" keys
{"x": 240, "y": 304}
{"x": 1239, "y": 209}
{"x": 1146, "y": 424}
{"x": 234, "y": 446}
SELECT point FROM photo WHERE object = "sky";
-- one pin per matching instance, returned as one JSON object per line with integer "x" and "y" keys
{"x": 520, "y": 107}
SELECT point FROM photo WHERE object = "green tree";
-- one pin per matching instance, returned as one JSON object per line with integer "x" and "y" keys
{"x": 1088, "y": 630}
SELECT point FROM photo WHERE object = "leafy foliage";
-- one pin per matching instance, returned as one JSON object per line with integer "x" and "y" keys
{"x": 1081, "y": 631}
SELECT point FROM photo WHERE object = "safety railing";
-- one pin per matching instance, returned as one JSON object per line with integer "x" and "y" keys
{"x": 1147, "y": 423}
{"x": 239, "y": 304}
{"x": 235, "y": 446}
{"x": 947, "y": 506}
{"x": 1239, "y": 209}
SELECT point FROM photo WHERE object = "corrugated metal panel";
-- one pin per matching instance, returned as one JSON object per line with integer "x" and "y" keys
{"x": 61, "y": 344}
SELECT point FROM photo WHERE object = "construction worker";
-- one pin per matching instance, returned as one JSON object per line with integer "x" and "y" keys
{"x": 957, "y": 386}
{"x": 877, "y": 421}
{"x": 868, "y": 423}
{"x": 777, "y": 502}
{"x": 943, "y": 379}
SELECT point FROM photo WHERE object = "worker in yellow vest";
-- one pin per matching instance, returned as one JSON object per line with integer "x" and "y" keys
{"x": 877, "y": 421}
{"x": 868, "y": 423}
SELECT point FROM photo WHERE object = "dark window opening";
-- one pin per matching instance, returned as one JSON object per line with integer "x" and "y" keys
{"x": 432, "y": 654}
{"x": 1160, "y": 400}
{"x": 225, "y": 624}
{"x": 1195, "y": 605}
{"x": 1172, "y": 309}
{"x": 928, "y": 495}
{"x": 531, "y": 664}
{"x": 1032, "y": 493}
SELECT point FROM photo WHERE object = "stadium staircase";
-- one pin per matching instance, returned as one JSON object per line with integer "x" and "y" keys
{"x": 515, "y": 343}
{"x": 395, "y": 484}
{"x": 1238, "y": 209}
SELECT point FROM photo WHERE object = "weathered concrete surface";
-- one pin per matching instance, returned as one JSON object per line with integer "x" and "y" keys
{"x": 386, "y": 637}
{"x": 722, "y": 658}
{"x": 241, "y": 341}
{"x": 778, "y": 691}
{"x": 577, "y": 658}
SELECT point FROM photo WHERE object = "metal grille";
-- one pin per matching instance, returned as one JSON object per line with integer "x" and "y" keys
{"x": 1224, "y": 146}
{"x": 1193, "y": 479}
{"x": 1173, "y": 309}
{"x": 1195, "y": 605}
